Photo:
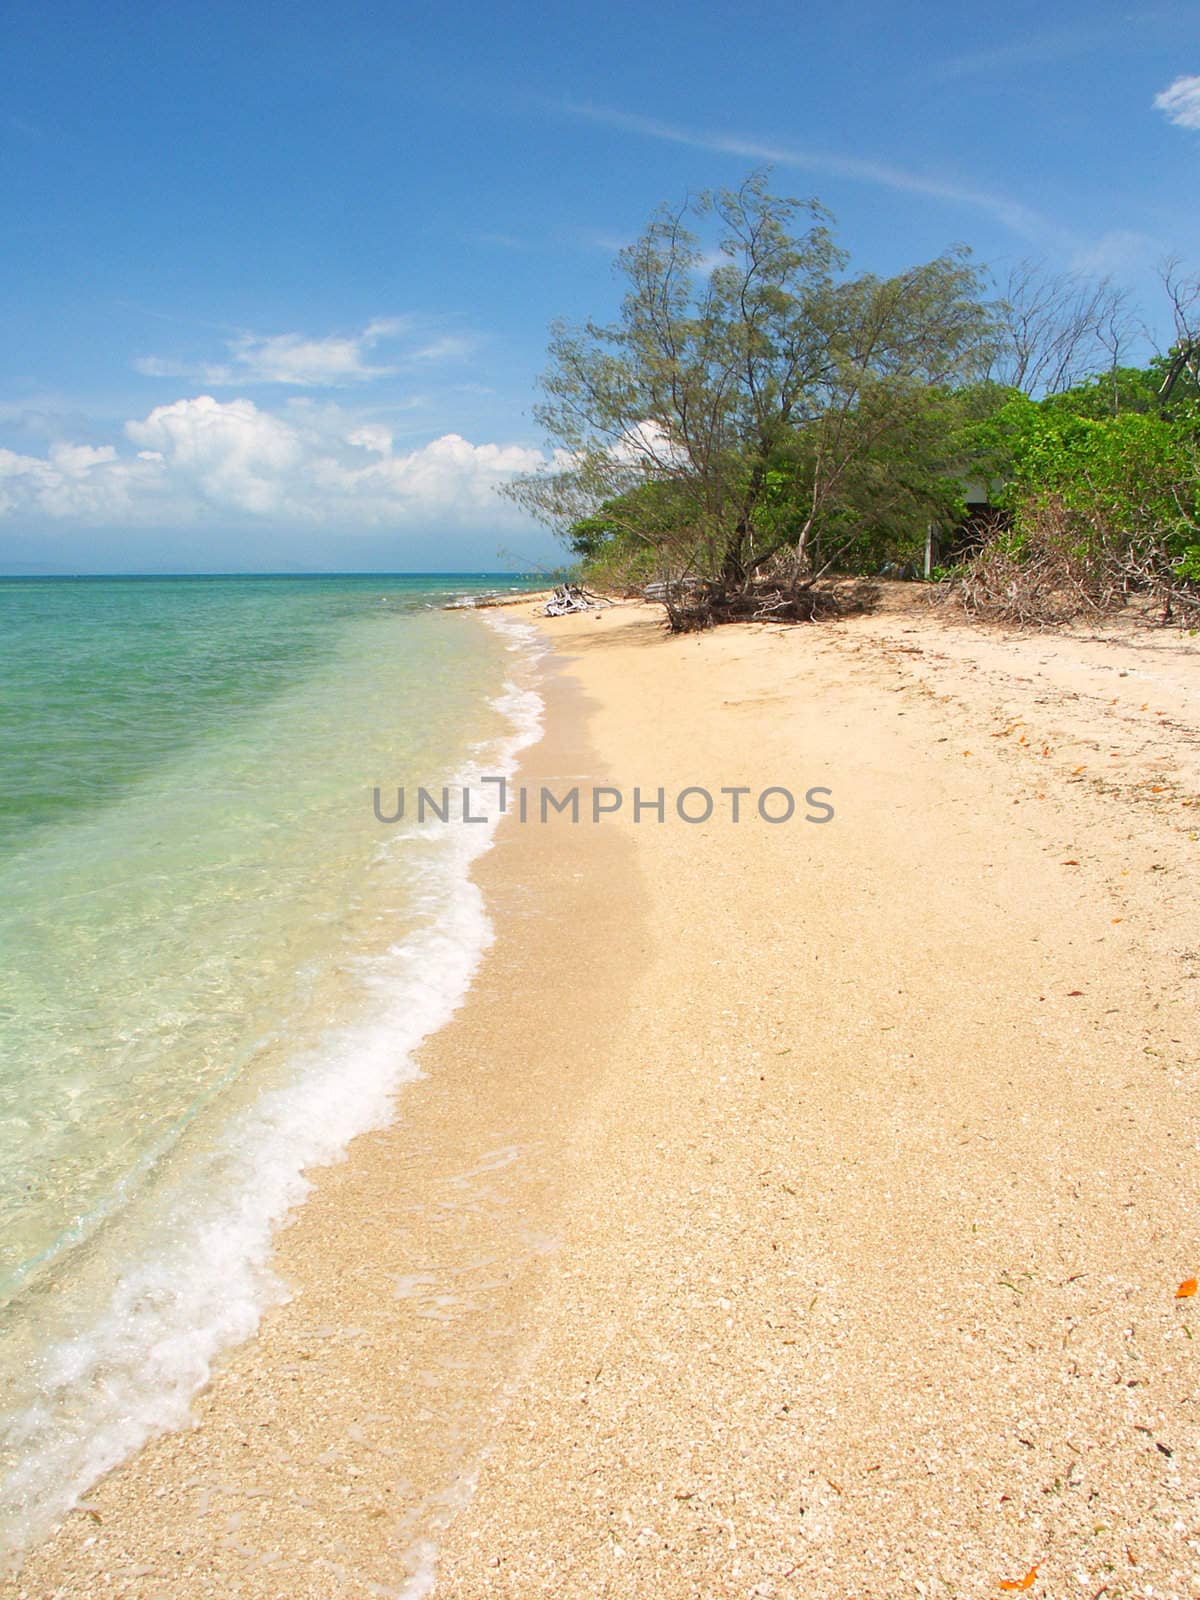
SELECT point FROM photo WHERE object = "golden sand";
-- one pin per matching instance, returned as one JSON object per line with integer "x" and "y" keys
{"x": 791, "y": 1209}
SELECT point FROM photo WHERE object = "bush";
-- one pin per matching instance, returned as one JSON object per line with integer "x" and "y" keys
{"x": 1102, "y": 508}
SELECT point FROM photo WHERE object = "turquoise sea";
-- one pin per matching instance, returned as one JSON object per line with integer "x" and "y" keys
{"x": 216, "y": 962}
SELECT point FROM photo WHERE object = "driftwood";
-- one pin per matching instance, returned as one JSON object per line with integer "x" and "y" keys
{"x": 695, "y": 603}
{"x": 570, "y": 597}
{"x": 691, "y": 605}
{"x": 1068, "y": 566}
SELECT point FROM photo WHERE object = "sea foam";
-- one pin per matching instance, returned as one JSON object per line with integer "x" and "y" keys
{"x": 204, "y": 1277}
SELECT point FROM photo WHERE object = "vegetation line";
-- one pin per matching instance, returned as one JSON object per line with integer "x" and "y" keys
{"x": 747, "y": 431}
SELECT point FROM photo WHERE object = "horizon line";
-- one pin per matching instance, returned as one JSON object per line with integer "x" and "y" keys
{"x": 350, "y": 572}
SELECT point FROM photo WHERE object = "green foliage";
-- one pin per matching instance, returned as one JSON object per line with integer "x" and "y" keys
{"x": 1132, "y": 475}
{"x": 618, "y": 542}
{"x": 1123, "y": 389}
{"x": 910, "y": 475}
{"x": 1110, "y": 393}
{"x": 1178, "y": 369}
{"x": 1104, "y": 502}
{"x": 774, "y": 417}
{"x": 749, "y": 419}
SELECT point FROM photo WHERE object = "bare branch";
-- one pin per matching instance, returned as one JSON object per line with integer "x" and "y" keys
{"x": 1058, "y": 328}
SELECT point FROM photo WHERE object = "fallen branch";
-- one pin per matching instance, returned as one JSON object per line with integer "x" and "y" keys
{"x": 571, "y": 597}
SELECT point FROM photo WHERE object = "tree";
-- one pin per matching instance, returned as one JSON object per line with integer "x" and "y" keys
{"x": 616, "y": 542}
{"x": 1057, "y": 329}
{"x": 750, "y": 394}
{"x": 1183, "y": 358}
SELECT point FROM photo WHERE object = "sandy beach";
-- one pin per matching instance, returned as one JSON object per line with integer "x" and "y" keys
{"x": 793, "y": 1208}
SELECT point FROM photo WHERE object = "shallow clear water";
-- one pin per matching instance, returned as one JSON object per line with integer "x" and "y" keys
{"x": 216, "y": 961}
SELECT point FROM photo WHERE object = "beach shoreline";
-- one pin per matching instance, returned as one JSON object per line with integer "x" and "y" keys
{"x": 790, "y": 1208}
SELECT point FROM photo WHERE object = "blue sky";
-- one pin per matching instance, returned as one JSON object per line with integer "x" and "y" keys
{"x": 276, "y": 279}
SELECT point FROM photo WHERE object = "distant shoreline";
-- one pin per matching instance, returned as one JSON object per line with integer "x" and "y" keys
{"x": 534, "y": 579}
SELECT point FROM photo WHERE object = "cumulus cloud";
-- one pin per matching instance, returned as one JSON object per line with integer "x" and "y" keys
{"x": 449, "y": 474}
{"x": 1180, "y": 102}
{"x": 231, "y": 454}
{"x": 371, "y": 436}
{"x": 77, "y": 482}
{"x": 198, "y": 457}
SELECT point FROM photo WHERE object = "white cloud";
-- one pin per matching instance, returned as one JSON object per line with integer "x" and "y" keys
{"x": 199, "y": 458}
{"x": 646, "y": 444}
{"x": 451, "y": 347}
{"x": 1035, "y": 49}
{"x": 76, "y": 460}
{"x": 1021, "y": 219}
{"x": 371, "y": 436}
{"x": 710, "y": 260}
{"x": 288, "y": 358}
{"x": 1180, "y": 102}
{"x": 334, "y": 362}
{"x": 231, "y": 454}
{"x": 75, "y": 482}
{"x": 610, "y": 243}
{"x": 447, "y": 479}
{"x": 1120, "y": 252}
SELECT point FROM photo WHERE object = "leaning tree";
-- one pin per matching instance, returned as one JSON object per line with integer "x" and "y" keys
{"x": 749, "y": 386}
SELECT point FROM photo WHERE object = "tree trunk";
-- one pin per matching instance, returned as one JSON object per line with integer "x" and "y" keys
{"x": 733, "y": 568}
